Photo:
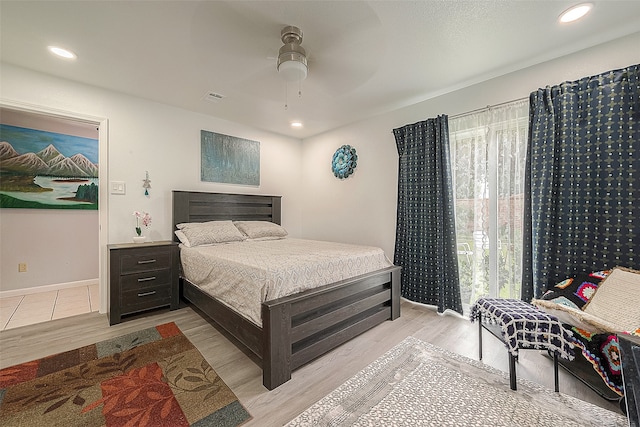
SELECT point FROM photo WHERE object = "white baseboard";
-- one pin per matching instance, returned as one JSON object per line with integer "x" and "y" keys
{"x": 47, "y": 288}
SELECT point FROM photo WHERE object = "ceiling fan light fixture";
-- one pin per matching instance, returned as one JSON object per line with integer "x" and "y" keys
{"x": 292, "y": 70}
{"x": 292, "y": 58}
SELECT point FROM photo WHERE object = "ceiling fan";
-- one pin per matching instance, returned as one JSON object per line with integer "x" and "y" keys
{"x": 292, "y": 58}
{"x": 330, "y": 57}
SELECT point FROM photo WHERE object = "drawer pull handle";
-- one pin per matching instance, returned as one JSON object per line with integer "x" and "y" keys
{"x": 148, "y": 261}
{"x": 146, "y": 279}
{"x": 144, "y": 294}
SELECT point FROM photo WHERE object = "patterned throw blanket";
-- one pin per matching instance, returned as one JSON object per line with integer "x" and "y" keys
{"x": 524, "y": 326}
{"x": 601, "y": 349}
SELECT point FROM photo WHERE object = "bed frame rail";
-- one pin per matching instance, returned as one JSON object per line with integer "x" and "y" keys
{"x": 240, "y": 328}
{"x": 298, "y": 330}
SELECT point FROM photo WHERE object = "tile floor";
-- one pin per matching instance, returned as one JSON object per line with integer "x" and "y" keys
{"x": 40, "y": 307}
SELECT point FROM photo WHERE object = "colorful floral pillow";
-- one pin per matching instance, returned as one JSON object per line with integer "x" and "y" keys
{"x": 576, "y": 291}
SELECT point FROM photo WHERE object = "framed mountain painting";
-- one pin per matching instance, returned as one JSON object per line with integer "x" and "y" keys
{"x": 47, "y": 170}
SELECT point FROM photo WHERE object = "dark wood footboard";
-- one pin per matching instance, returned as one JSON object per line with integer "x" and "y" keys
{"x": 299, "y": 328}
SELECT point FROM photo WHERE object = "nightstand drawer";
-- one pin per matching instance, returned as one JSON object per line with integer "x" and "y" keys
{"x": 145, "y": 279}
{"x": 151, "y": 259}
{"x": 142, "y": 276}
{"x": 144, "y": 298}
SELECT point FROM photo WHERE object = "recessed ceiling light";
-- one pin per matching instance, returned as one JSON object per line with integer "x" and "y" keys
{"x": 576, "y": 12}
{"x": 296, "y": 124}
{"x": 64, "y": 53}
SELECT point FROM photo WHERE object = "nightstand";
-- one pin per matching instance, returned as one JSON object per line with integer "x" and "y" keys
{"x": 142, "y": 276}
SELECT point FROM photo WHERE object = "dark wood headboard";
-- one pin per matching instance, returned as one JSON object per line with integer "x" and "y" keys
{"x": 194, "y": 206}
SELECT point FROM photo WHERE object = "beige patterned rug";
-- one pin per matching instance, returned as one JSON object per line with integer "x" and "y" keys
{"x": 418, "y": 384}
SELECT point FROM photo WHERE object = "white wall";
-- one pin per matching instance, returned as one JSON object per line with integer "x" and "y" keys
{"x": 148, "y": 136}
{"x": 144, "y": 135}
{"x": 362, "y": 208}
{"x": 58, "y": 246}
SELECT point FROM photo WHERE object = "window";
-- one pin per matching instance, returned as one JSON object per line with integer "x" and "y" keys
{"x": 488, "y": 158}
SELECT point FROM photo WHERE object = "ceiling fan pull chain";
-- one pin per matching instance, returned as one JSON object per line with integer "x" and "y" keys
{"x": 286, "y": 96}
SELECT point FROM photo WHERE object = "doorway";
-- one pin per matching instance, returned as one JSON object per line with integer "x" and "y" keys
{"x": 53, "y": 260}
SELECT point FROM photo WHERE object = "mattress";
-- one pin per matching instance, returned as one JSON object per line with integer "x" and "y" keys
{"x": 243, "y": 275}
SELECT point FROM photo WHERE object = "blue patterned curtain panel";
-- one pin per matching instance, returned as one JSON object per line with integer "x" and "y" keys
{"x": 425, "y": 233}
{"x": 582, "y": 184}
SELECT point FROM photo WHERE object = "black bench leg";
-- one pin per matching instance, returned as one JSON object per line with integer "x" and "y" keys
{"x": 480, "y": 336}
{"x": 512, "y": 371}
{"x": 555, "y": 371}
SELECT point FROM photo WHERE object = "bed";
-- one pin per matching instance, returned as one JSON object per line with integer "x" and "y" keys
{"x": 296, "y": 328}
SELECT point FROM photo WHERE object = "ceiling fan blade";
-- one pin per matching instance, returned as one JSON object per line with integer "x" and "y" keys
{"x": 349, "y": 62}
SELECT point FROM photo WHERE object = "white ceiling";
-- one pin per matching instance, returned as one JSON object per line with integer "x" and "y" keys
{"x": 365, "y": 57}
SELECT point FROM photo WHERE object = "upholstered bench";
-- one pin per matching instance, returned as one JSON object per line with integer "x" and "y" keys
{"x": 522, "y": 326}
{"x": 597, "y": 307}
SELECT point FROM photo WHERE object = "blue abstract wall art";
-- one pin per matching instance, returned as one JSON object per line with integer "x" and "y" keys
{"x": 229, "y": 159}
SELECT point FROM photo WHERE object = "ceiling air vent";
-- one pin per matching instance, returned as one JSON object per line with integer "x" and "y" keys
{"x": 212, "y": 96}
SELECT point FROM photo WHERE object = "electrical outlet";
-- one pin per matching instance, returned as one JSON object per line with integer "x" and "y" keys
{"x": 22, "y": 267}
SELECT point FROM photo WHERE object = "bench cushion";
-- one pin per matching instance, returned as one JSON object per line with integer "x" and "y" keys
{"x": 617, "y": 300}
{"x": 576, "y": 317}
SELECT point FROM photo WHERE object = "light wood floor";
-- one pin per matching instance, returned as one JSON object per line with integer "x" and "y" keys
{"x": 309, "y": 383}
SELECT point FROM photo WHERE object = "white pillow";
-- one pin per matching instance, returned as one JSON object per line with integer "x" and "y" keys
{"x": 183, "y": 238}
{"x": 206, "y": 233}
{"x": 617, "y": 299}
{"x": 261, "y": 229}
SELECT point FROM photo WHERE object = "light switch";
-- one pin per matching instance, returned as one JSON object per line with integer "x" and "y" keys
{"x": 118, "y": 187}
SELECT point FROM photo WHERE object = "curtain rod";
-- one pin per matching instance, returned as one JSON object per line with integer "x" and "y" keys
{"x": 487, "y": 108}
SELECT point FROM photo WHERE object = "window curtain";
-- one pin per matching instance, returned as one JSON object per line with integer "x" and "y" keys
{"x": 582, "y": 182}
{"x": 425, "y": 245}
{"x": 488, "y": 149}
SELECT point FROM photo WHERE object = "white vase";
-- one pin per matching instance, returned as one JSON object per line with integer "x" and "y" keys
{"x": 139, "y": 239}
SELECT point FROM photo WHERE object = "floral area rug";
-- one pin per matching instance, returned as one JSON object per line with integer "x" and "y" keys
{"x": 418, "y": 384}
{"x": 153, "y": 377}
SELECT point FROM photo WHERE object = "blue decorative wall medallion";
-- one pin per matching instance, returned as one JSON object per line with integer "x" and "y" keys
{"x": 344, "y": 161}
